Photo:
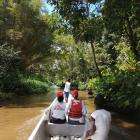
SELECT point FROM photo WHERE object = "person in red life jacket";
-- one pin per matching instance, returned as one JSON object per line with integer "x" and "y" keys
{"x": 76, "y": 110}
{"x": 57, "y": 111}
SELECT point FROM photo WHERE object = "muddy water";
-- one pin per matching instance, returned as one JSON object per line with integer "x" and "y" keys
{"x": 18, "y": 119}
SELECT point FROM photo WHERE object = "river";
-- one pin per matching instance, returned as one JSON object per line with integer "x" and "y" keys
{"x": 19, "y": 117}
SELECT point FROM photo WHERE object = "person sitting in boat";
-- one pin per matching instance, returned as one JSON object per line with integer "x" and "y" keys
{"x": 100, "y": 121}
{"x": 76, "y": 110}
{"x": 57, "y": 111}
{"x": 67, "y": 89}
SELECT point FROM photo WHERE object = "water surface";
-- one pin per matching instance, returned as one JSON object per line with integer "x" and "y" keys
{"x": 19, "y": 117}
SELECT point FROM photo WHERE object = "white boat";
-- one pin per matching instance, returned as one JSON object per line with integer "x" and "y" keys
{"x": 45, "y": 130}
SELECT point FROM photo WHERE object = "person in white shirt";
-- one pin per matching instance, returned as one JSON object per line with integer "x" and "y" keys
{"x": 57, "y": 111}
{"x": 67, "y": 89}
{"x": 100, "y": 121}
{"x": 76, "y": 110}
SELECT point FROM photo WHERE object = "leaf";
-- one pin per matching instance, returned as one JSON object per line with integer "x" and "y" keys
{"x": 126, "y": 103}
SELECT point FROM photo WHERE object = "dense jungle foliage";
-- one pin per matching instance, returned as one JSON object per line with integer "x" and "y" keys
{"x": 96, "y": 43}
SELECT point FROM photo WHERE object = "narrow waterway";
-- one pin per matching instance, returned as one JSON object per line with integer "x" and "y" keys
{"x": 19, "y": 117}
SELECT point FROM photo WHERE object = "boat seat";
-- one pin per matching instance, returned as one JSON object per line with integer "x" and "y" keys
{"x": 66, "y": 129}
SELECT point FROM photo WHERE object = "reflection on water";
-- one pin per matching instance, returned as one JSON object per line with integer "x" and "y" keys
{"x": 18, "y": 119}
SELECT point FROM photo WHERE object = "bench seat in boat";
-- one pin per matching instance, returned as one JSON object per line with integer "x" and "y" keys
{"x": 66, "y": 129}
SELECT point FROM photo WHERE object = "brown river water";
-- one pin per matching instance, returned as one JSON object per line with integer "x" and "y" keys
{"x": 19, "y": 117}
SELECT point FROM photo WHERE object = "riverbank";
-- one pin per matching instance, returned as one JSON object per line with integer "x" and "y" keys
{"x": 17, "y": 98}
{"x": 9, "y": 98}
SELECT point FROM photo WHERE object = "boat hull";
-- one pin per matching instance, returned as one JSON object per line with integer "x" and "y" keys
{"x": 44, "y": 130}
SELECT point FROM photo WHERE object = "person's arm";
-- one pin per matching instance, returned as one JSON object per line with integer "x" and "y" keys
{"x": 109, "y": 120}
{"x": 91, "y": 131}
{"x": 70, "y": 87}
{"x": 51, "y": 110}
{"x": 68, "y": 108}
{"x": 84, "y": 109}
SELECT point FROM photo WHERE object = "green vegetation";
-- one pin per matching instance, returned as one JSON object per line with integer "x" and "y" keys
{"x": 108, "y": 39}
{"x": 120, "y": 87}
{"x": 95, "y": 43}
{"x": 25, "y": 40}
{"x": 10, "y": 65}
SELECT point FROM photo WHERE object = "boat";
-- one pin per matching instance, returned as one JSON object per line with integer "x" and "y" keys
{"x": 45, "y": 130}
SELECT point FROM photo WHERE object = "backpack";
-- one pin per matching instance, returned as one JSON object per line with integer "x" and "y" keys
{"x": 76, "y": 109}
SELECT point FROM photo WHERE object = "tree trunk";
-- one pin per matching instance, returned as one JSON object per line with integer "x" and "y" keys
{"x": 132, "y": 38}
{"x": 94, "y": 59}
{"x": 5, "y": 3}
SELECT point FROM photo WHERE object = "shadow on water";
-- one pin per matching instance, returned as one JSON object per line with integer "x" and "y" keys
{"x": 126, "y": 126}
{"x": 30, "y": 101}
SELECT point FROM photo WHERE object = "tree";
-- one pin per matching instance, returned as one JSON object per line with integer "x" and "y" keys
{"x": 83, "y": 25}
{"x": 121, "y": 17}
{"x": 23, "y": 27}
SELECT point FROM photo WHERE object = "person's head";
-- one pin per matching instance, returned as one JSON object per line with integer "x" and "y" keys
{"x": 68, "y": 80}
{"x": 60, "y": 96}
{"x": 99, "y": 101}
{"x": 75, "y": 94}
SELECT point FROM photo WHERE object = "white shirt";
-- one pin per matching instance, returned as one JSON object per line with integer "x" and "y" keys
{"x": 58, "y": 110}
{"x": 102, "y": 122}
{"x": 67, "y": 87}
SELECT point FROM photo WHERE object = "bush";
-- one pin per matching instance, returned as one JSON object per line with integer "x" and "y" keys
{"x": 74, "y": 85}
{"x": 4, "y": 96}
{"x": 14, "y": 79}
{"x": 82, "y": 86}
{"x": 30, "y": 85}
{"x": 10, "y": 65}
{"x": 121, "y": 86}
{"x": 120, "y": 90}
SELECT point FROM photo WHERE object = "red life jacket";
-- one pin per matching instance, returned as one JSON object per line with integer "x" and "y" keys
{"x": 76, "y": 109}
